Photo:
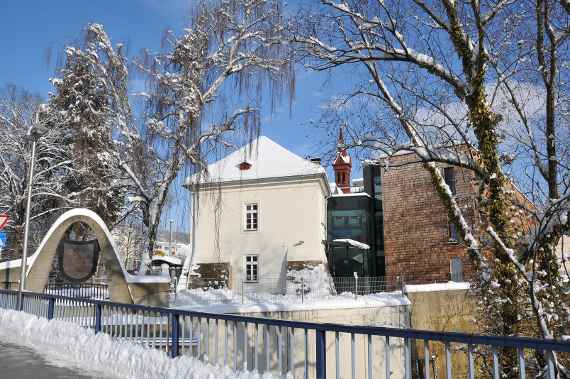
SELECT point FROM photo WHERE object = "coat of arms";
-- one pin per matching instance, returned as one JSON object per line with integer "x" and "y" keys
{"x": 78, "y": 259}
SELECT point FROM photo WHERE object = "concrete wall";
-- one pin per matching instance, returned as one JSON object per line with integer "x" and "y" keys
{"x": 443, "y": 311}
{"x": 394, "y": 316}
{"x": 290, "y": 210}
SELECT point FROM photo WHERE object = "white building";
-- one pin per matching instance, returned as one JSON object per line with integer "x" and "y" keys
{"x": 261, "y": 210}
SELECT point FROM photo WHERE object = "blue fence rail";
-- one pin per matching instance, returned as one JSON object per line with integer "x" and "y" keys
{"x": 303, "y": 349}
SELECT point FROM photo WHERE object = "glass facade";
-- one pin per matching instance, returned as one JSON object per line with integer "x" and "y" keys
{"x": 358, "y": 216}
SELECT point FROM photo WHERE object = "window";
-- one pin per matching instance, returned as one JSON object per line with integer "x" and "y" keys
{"x": 378, "y": 187}
{"x": 379, "y": 225}
{"x": 251, "y": 216}
{"x": 349, "y": 224}
{"x": 251, "y": 268}
{"x": 453, "y": 235}
{"x": 456, "y": 270}
{"x": 449, "y": 176}
{"x": 243, "y": 166}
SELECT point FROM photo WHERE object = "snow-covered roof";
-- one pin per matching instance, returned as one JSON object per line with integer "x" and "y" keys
{"x": 174, "y": 261}
{"x": 356, "y": 186}
{"x": 352, "y": 243}
{"x": 341, "y": 194}
{"x": 267, "y": 159}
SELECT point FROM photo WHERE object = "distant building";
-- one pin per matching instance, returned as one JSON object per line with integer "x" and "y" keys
{"x": 260, "y": 212}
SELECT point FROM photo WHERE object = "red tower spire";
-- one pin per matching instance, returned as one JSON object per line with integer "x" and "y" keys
{"x": 342, "y": 165}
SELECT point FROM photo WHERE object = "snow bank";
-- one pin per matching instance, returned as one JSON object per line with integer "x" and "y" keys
{"x": 66, "y": 344}
{"x": 433, "y": 287}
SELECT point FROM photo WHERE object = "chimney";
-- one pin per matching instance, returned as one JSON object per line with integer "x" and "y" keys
{"x": 342, "y": 165}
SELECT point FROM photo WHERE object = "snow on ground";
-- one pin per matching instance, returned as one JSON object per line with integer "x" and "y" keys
{"x": 315, "y": 283}
{"x": 433, "y": 287}
{"x": 66, "y": 344}
{"x": 229, "y": 302}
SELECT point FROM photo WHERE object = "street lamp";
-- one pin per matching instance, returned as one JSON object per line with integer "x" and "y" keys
{"x": 34, "y": 133}
{"x": 170, "y": 240}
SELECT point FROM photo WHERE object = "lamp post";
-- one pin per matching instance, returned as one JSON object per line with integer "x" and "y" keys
{"x": 34, "y": 134}
{"x": 170, "y": 239}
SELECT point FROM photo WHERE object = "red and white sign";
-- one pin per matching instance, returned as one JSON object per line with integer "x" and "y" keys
{"x": 3, "y": 220}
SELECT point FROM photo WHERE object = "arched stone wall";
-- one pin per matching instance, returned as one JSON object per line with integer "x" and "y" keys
{"x": 123, "y": 287}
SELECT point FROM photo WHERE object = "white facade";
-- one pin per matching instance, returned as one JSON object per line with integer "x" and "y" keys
{"x": 285, "y": 197}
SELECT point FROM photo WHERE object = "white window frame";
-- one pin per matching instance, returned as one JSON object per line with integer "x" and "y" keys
{"x": 253, "y": 263}
{"x": 246, "y": 212}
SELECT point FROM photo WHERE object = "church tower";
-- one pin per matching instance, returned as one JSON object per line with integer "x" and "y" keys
{"x": 342, "y": 165}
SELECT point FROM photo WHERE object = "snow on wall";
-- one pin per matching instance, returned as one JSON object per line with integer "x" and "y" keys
{"x": 70, "y": 345}
{"x": 433, "y": 287}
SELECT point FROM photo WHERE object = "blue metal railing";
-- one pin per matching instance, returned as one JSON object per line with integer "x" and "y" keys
{"x": 281, "y": 346}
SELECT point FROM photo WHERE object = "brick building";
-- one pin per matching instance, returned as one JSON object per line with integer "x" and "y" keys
{"x": 421, "y": 245}
{"x": 398, "y": 216}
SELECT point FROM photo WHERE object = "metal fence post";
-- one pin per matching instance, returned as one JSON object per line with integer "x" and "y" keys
{"x": 321, "y": 354}
{"x": 175, "y": 333}
{"x": 97, "y": 318}
{"x": 51, "y": 306}
{"x": 356, "y": 286}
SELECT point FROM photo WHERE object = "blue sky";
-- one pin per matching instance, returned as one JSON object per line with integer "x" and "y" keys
{"x": 34, "y": 30}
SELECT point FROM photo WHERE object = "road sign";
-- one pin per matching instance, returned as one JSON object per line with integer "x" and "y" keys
{"x": 3, "y": 220}
{"x": 3, "y": 240}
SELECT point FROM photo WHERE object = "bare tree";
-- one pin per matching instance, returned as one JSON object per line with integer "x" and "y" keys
{"x": 443, "y": 71}
{"x": 19, "y": 112}
{"x": 232, "y": 47}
